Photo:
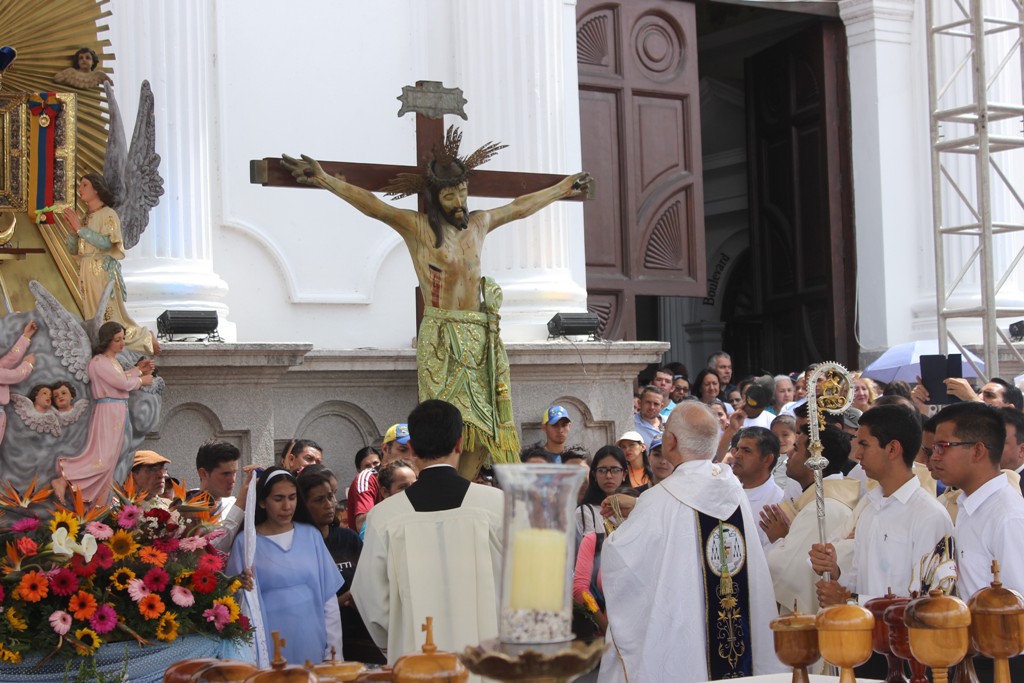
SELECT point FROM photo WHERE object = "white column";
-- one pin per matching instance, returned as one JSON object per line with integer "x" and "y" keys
{"x": 516, "y": 63}
{"x": 890, "y": 154}
{"x": 172, "y": 45}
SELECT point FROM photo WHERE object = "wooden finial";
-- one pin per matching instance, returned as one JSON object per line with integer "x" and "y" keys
{"x": 279, "y": 642}
{"x": 428, "y": 647}
{"x": 794, "y": 606}
{"x": 995, "y": 573}
{"x": 334, "y": 653}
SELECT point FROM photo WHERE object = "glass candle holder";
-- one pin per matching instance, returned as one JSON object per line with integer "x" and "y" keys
{"x": 540, "y": 542}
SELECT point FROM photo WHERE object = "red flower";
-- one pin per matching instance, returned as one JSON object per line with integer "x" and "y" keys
{"x": 79, "y": 566}
{"x": 211, "y": 562}
{"x": 156, "y": 579}
{"x": 243, "y": 622}
{"x": 204, "y": 581}
{"x": 167, "y": 545}
{"x": 104, "y": 557}
{"x": 1, "y": 593}
{"x": 64, "y": 582}
{"x": 161, "y": 516}
{"x": 27, "y": 547}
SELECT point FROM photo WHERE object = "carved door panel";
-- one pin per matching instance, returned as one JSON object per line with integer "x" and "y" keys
{"x": 640, "y": 135}
{"x": 800, "y": 197}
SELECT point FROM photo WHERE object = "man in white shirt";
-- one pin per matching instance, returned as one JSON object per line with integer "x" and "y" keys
{"x": 897, "y": 523}
{"x": 217, "y": 466}
{"x": 753, "y": 459}
{"x": 1013, "y": 449}
{"x": 968, "y": 446}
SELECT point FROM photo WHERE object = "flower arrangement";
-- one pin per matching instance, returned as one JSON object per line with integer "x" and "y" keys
{"x": 73, "y": 578}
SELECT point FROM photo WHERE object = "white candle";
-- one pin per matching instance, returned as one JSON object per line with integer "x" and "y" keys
{"x": 538, "y": 570}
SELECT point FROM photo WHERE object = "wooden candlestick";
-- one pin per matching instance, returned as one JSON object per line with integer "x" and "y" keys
{"x": 937, "y": 624}
{"x": 796, "y": 643}
{"x": 844, "y": 637}
{"x": 880, "y": 635}
{"x": 997, "y": 624}
{"x": 899, "y": 641}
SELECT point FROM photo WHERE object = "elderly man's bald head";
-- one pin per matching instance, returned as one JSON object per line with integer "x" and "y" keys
{"x": 691, "y": 433}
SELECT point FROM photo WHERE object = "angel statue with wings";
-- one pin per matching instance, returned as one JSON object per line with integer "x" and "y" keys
{"x": 117, "y": 211}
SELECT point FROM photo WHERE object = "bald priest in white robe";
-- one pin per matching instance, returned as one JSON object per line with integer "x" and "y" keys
{"x": 660, "y": 566}
{"x": 432, "y": 550}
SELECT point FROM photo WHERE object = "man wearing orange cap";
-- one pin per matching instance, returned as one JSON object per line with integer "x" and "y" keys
{"x": 149, "y": 470}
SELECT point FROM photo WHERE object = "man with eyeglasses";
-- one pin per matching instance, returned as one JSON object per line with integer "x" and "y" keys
{"x": 968, "y": 446}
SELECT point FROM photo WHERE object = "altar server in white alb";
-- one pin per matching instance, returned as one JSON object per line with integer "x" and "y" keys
{"x": 969, "y": 439}
{"x": 694, "y": 540}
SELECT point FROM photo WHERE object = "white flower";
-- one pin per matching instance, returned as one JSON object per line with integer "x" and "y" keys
{"x": 87, "y": 547}
{"x": 61, "y": 544}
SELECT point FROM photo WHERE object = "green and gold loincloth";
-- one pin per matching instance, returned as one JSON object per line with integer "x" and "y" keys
{"x": 462, "y": 360}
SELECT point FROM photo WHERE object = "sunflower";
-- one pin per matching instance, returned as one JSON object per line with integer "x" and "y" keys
{"x": 15, "y": 620}
{"x": 33, "y": 587}
{"x": 167, "y": 627}
{"x": 82, "y": 605}
{"x": 235, "y": 586}
{"x": 120, "y": 578}
{"x": 122, "y": 544}
{"x": 151, "y": 606}
{"x": 151, "y": 555}
{"x": 232, "y": 606}
{"x": 10, "y": 656}
{"x": 88, "y": 638}
{"x": 64, "y": 518}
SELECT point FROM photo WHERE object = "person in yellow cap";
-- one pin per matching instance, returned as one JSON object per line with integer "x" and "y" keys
{"x": 149, "y": 470}
{"x": 364, "y": 492}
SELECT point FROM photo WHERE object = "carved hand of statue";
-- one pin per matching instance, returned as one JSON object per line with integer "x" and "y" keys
{"x": 579, "y": 183}
{"x": 146, "y": 380}
{"x": 308, "y": 171}
{"x": 30, "y": 329}
{"x": 30, "y": 358}
{"x": 146, "y": 366}
{"x": 74, "y": 222}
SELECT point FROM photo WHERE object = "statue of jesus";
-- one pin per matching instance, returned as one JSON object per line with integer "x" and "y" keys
{"x": 460, "y": 356}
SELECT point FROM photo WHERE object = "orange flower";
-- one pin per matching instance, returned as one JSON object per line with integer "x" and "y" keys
{"x": 151, "y": 555}
{"x": 82, "y": 605}
{"x": 33, "y": 587}
{"x": 151, "y": 606}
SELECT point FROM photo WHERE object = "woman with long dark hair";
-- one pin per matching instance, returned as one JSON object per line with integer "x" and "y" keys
{"x": 294, "y": 576}
{"x": 607, "y": 473}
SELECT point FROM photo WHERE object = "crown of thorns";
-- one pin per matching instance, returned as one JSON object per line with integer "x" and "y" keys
{"x": 445, "y": 168}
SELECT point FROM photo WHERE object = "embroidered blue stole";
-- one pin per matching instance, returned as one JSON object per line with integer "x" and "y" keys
{"x": 723, "y": 551}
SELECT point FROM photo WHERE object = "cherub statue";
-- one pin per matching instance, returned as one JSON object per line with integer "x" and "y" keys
{"x": 15, "y": 367}
{"x": 117, "y": 212}
{"x": 68, "y": 409}
{"x": 83, "y": 71}
{"x": 36, "y": 410}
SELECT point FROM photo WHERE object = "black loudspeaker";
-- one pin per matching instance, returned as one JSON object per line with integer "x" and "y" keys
{"x": 177, "y": 323}
{"x": 1017, "y": 331}
{"x": 565, "y": 324}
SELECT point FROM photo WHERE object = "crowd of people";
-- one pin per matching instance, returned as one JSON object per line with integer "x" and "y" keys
{"x": 917, "y": 495}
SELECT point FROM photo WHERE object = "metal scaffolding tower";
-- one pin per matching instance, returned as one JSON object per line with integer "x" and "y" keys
{"x": 975, "y": 63}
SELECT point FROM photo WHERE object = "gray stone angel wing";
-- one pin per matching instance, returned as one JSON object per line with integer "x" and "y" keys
{"x": 133, "y": 172}
{"x": 71, "y": 339}
{"x": 143, "y": 185}
{"x": 117, "y": 149}
{"x": 44, "y": 423}
{"x": 78, "y": 409}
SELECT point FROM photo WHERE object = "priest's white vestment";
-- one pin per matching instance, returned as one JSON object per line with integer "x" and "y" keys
{"x": 653, "y": 580}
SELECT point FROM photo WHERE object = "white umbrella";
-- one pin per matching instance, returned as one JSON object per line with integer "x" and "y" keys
{"x": 903, "y": 361}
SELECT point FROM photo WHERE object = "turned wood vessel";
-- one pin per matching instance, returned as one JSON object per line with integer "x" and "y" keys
{"x": 796, "y": 643}
{"x": 938, "y": 627}
{"x": 997, "y": 624}
{"x": 899, "y": 641}
{"x": 880, "y": 634}
{"x": 844, "y": 637}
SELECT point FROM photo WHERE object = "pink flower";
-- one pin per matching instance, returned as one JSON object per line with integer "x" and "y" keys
{"x": 104, "y": 620}
{"x": 156, "y": 579}
{"x": 61, "y": 622}
{"x": 64, "y": 582}
{"x": 2, "y": 593}
{"x": 129, "y": 516}
{"x": 182, "y": 597}
{"x": 219, "y": 615}
{"x": 192, "y": 543}
{"x": 215, "y": 534}
{"x": 25, "y": 525}
{"x": 99, "y": 530}
{"x": 167, "y": 545}
{"x": 137, "y": 589}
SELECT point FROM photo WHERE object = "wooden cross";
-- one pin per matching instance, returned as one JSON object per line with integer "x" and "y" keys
{"x": 279, "y": 642}
{"x": 431, "y": 103}
{"x": 429, "y": 647}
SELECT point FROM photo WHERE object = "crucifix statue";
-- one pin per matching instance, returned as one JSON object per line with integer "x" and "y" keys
{"x": 460, "y": 356}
